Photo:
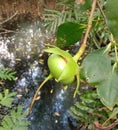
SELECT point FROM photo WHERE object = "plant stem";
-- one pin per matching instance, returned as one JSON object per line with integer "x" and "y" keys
{"x": 78, "y": 83}
{"x": 100, "y": 8}
{"x": 89, "y": 25}
{"x": 36, "y": 93}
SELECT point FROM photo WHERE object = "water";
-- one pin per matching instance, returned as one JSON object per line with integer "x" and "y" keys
{"x": 23, "y": 52}
{"x": 52, "y": 111}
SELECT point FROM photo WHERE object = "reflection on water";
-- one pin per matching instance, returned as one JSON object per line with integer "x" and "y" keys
{"x": 5, "y": 55}
{"x": 21, "y": 52}
{"x": 25, "y": 44}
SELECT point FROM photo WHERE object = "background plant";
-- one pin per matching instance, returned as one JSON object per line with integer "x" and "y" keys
{"x": 15, "y": 120}
{"x": 89, "y": 109}
{"x": 99, "y": 67}
{"x": 6, "y": 73}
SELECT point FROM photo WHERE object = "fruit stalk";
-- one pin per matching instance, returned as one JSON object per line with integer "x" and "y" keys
{"x": 36, "y": 93}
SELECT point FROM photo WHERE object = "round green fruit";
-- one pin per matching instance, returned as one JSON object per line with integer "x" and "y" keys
{"x": 62, "y": 69}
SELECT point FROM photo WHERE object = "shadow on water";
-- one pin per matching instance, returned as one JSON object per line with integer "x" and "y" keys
{"x": 21, "y": 52}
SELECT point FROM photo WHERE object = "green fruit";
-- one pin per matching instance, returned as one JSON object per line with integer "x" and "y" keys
{"x": 56, "y": 65}
{"x": 63, "y": 69}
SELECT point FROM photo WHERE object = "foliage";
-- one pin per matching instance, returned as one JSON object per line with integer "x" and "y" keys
{"x": 112, "y": 17}
{"x": 69, "y": 12}
{"x": 7, "y": 99}
{"x": 69, "y": 33}
{"x": 102, "y": 76}
{"x": 89, "y": 109}
{"x": 6, "y": 73}
{"x": 72, "y": 12}
{"x": 15, "y": 121}
{"x": 53, "y": 18}
{"x": 108, "y": 90}
{"x": 100, "y": 66}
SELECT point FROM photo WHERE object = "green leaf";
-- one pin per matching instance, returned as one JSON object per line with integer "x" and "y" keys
{"x": 15, "y": 121}
{"x": 96, "y": 67}
{"x": 108, "y": 90}
{"x": 58, "y": 51}
{"x": 86, "y": 5}
{"x": 114, "y": 113}
{"x": 8, "y": 122}
{"x": 98, "y": 71}
{"x": 7, "y": 99}
{"x": 69, "y": 33}
{"x": 87, "y": 112}
{"x": 6, "y": 73}
{"x": 111, "y": 13}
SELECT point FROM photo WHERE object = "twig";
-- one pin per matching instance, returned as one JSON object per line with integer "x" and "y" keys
{"x": 98, "y": 126}
{"x": 101, "y": 11}
{"x": 89, "y": 25}
{"x": 5, "y": 31}
{"x": 9, "y": 18}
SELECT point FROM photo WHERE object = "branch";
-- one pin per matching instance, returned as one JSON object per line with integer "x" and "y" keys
{"x": 9, "y": 18}
{"x": 99, "y": 6}
{"x": 89, "y": 25}
{"x": 101, "y": 127}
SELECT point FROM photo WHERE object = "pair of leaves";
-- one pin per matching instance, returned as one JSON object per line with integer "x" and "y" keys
{"x": 97, "y": 69}
{"x": 15, "y": 121}
{"x": 7, "y": 99}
